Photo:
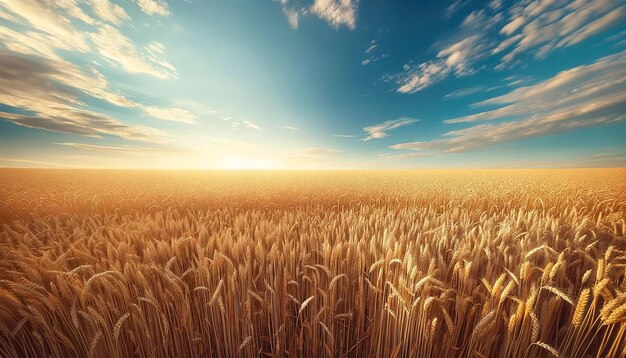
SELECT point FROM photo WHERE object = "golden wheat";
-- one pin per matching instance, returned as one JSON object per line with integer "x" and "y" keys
{"x": 338, "y": 264}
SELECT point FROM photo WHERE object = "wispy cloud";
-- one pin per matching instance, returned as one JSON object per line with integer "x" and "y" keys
{"x": 495, "y": 4}
{"x": 583, "y": 86}
{"x": 293, "y": 16}
{"x": 109, "y": 148}
{"x": 382, "y": 130}
{"x": 48, "y": 90}
{"x": 464, "y": 92}
{"x": 583, "y": 96}
{"x": 403, "y": 156}
{"x": 154, "y": 7}
{"x": 238, "y": 123}
{"x": 371, "y": 55}
{"x": 373, "y": 59}
{"x": 108, "y": 11}
{"x": 119, "y": 49}
{"x": 46, "y": 17}
{"x": 291, "y": 128}
{"x": 336, "y": 12}
{"x": 171, "y": 114}
{"x": 252, "y": 125}
{"x": 13, "y": 162}
{"x": 541, "y": 27}
{"x": 316, "y": 151}
{"x": 343, "y": 135}
{"x": 372, "y": 47}
{"x": 54, "y": 30}
{"x": 537, "y": 27}
{"x": 455, "y": 7}
{"x": 456, "y": 55}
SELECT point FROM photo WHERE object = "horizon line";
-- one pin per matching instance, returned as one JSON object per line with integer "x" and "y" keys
{"x": 307, "y": 169}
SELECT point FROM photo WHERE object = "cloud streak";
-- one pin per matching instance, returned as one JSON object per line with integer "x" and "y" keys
{"x": 49, "y": 92}
{"x": 45, "y": 91}
{"x": 252, "y": 125}
{"x": 108, "y": 11}
{"x": 170, "y": 114}
{"x": 119, "y": 49}
{"x": 154, "y": 7}
{"x": 336, "y": 13}
{"x": 317, "y": 151}
{"x": 537, "y": 27}
{"x": 456, "y": 56}
{"x": 382, "y": 130}
{"x": 583, "y": 96}
{"x": 109, "y": 148}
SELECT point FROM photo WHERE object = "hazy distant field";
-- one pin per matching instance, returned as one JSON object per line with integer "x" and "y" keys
{"x": 407, "y": 264}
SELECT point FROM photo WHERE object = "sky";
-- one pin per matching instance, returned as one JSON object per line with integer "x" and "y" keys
{"x": 317, "y": 84}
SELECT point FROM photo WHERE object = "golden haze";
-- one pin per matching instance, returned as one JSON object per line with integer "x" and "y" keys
{"x": 516, "y": 263}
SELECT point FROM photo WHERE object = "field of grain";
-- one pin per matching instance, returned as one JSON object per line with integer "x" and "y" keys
{"x": 311, "y": 264}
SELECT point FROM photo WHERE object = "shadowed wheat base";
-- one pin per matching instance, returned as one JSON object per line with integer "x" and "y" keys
{"x": 358, "y": 264}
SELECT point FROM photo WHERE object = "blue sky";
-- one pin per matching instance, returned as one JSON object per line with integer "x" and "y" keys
{"x": 318, "y": 84}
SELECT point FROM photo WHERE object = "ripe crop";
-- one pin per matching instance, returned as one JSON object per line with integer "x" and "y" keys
{"x": 519, "y": 263}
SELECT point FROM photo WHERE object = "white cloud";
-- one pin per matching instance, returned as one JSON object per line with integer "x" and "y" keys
{"x": 373, "y": 46}
{"x": 454, "y": 8}
{"x": 108, "y": 11}
{"x": 541, "y": 27}
{"x": 455, "y": 56}
{"x": 495, "y": 4}
{"x": 116, "y": 47}
{"x": 75, "y": 11}
{"x": 371, "y": 55}
{"x": 464, "y": 92}
{"x": 576, "y": 86}
{"x": 584, "y": 96}
{"x": 109, "y": 148}
{"x": 381, "y": 130}
{"x": 343, "y": 135}
{"x": 416, "y": 78}
{"x": 50, "y": 90}
{"x": 51, "y": 30}
{"x": 336, "y": 12}
{"x": 252, "y": 125}
{"x": 403, "y": 156}
{"x": 595, "y": 27}
{"x": 373, "y": 59}
{"x": 170, "y": 114}
{"x": 44, "y": 91}
{"x": 26, "y": 163}
{"x": 293, "y": 16}
{"x": 47, "y": 17}
{"x": 537, "y": 27}
{"x": 513, "y": 25}
{"x": 41, "y": 51}
{"x": 84, "y": 123}
{"x": 154, "y": 7}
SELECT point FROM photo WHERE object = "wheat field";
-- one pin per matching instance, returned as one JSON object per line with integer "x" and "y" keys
{"x": 483, "y": 263}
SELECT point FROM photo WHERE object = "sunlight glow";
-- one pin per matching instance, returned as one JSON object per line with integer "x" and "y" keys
{"x": 238, "y": 162}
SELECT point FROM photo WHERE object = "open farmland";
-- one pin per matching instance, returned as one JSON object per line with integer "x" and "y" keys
{"x": 484, "y": 263}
